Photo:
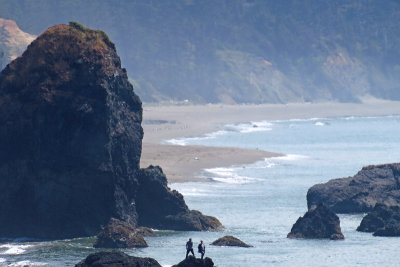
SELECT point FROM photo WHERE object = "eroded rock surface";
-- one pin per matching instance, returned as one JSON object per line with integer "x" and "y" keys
{"x": 229, "y": 240}
{"x": 194, "y": 262}
{"x": 359, "y": 193}
{"x": 118, "y": 234}
{"x": 382, "y": 221}
{"x": 116, "y": 259}
{"x": 70, "y": 144}
{"x": 319, "y": 222}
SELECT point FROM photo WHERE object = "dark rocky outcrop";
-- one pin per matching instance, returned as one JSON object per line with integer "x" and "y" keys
{"x": 116, "y": 259}
{"x": 382, "y": 221}
{"x": 118, "y": 234}
{"x": 318, "y": 222}
{"x": 194, "y": 262}
{"x": 360, "y": 193}
{"x": 145, "y": 231}
{"x": 70, "y": 144}
{"x": 231, "y": 241}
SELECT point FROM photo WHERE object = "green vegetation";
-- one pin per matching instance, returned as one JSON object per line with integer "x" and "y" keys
{"x": 77, "y": 26}
{"x": 84, "y": 29}
{"x": 242, "y": 50}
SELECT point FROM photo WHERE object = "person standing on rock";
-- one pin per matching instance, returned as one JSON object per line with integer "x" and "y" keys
{"x": 189, "y": 248}
{"x": 201, "y": 249}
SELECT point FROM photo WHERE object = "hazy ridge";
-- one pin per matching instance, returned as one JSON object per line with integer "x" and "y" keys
{"x": 238, "y": 51}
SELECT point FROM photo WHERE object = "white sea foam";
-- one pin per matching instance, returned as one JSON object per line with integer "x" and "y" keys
{"x": 228, "y": 175}
{"x": 250, "y": 127}
{"x": 2, "y": 260}
{"x": 292, "y": 157}
{"x": 26, "y": 263}
{"x": 12, "y": 249}
{"x": 186, "y": 140}
{"x": 320, "y": 123}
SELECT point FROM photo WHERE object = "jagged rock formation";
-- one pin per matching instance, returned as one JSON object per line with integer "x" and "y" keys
{"x": 373, "y": 184}
{"x": 168, "y": 207}
{"x": 70, "y": 144}
{"x": 13, "y": 41}
{"x": 318, "y": 222}
{"x": 231, "y": 241}
{"x": 118, "y": 234}
{"x": 382, "y": 221}
{"x": 194, "y": 262}
{"x": 116, "y": 259}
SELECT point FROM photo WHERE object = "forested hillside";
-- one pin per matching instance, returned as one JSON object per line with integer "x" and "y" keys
{"x": 241, "y": 51}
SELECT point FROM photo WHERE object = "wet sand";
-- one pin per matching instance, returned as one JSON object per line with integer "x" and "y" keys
{"x": 185, "y": 163}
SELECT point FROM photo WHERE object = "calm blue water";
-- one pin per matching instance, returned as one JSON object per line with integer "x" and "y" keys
{"x": 260, "y": 202}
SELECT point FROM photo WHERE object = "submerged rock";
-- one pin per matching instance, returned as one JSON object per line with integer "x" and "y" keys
{"x": 116, "y": 259}
{"x": 118, "y": 234}
{"x": 319, "y": 222}
{"x": 372, "y": 185}
{"x": 229, "y": 240}
{"x": 382, "y": 221}
{"x": 194, "y": 262}
{"x": 70, "y": 144}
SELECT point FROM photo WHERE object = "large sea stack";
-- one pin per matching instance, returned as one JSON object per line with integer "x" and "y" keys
{"x": 359, "y": 193}
{"x": 70, "y": 144}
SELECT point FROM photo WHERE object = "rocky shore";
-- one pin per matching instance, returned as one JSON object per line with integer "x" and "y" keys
{"x": 382, "y": 221}
{"x": 361, "y": 192}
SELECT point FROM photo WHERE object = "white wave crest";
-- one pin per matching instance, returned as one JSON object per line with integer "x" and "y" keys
{"x": 253, "y": 126}
{"x": 11, "y": 249}
{"x": 228, "y": 175}
{"x": 186, "y": 140}
{"x": 26, "y": 263}
{"x": 291, "y": 157}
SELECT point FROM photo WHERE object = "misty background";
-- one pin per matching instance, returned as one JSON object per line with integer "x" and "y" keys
{"x": 240, "y": 51}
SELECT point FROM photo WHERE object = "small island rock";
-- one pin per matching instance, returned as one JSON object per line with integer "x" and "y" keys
{"x": 359, "y": 193}
{"x": 116, "y": 259}
{"x": 231, "y": 241}
{"x": 194, "y": 262}
{"x": 319, "y": 222}
{"x": 382, "y": 221}
{"x": 118, "y": 234}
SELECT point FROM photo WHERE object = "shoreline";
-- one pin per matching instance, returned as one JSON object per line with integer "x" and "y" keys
{"x": 185, "y": 163}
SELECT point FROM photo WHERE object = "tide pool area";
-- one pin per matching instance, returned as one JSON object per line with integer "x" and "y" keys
{"x": 260, "y": 202}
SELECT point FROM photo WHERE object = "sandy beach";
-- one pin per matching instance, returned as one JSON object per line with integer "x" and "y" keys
{"x": 185, "y": 163}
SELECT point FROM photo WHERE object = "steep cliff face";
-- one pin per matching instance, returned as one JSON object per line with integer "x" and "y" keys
{"x": 70, "y": 138}
{"x": 13, "y": 41}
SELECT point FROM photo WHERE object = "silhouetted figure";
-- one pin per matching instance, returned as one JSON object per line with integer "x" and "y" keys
{"x": 201, "y": 249}
{"x": 189, "y": 248}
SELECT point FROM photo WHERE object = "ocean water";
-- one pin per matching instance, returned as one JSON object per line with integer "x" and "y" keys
{"x": 260, "y": 202}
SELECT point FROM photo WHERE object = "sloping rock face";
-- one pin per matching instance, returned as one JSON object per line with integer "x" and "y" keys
{"x": 372, "y": 185}
{"x": 118, "y": 234}
{"x": 70, "y": 141}
{"x": 13, "y": 41}
{"x": 319, "y": 222}
{"x": 230, "y": 241}
{"x": 116, "y": 259}
{"x": 164, "y": 209}
{"x": 194, "y": 262}
{"x": 382, "y": 221}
